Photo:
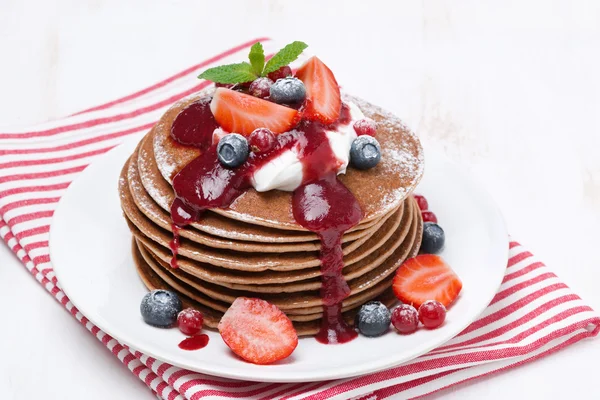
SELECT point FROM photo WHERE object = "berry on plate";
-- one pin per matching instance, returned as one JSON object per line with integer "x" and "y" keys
{"x": 365, "y": 152}
{"x": 323, "y": 98}
{"x": 189, "y": 321}
{"x": 365, "y": 126}
{"x": 429, "y": 216}
{"x": 281, "y": 73}
{"x": 426, "y": 277}
{"x": 260, "y": 87}
{"x": 421, "y": 202}
{"x": 160, "y": 308}
{"x": 232, "y": 150}
{"x": 243, "y": 113}
{"x": 262, "y": 140}
{"x": 288, "y": 91}
{"x": 258, "y": 331}
{"x": 405, "y": 318}
{"x": 433, "y": 238}
{"x": 373, "y": 319}
{"x": 432, "y": 314}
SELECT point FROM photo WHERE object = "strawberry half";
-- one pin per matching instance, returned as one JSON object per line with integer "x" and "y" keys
{"x": 258, "y": 331}
{"x": 241, "y": 113}
{"x": 426, "y": 277}
{"x": 323, "y": 99}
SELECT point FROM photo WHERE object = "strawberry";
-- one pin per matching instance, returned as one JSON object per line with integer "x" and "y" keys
{"x": 258, "y": 331}
{"x": 241, "y": 113}
{"x": 323, "y": 99}
{"x": 426, "y": 277}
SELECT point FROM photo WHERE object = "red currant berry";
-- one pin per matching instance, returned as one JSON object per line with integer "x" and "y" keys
{"x": 261, "y": 140}
{"x": 429, "y": 216}
{"x": 261, "y": 87}
{"x": 421, "y": 202}
{"x": 190, "y": 321}
{"x": 432, "y": 314}
{"x": 405, "y": 318}
{"x": 281, "y": 73}
{"x": 365, "y": 126}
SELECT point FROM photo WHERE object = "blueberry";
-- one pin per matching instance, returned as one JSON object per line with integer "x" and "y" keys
{"x": 373, "y": 319}
{"x": 433, "y": 238}
{"x": 365, "y": 152}
{"x": 287, "y": 91}
{"x": 233, "y": 150}
{"x": 160, "y": 308}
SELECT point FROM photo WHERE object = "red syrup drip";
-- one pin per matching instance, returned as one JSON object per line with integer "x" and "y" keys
{"x": 195, "y": 342}
{"x": 322, "y": 204}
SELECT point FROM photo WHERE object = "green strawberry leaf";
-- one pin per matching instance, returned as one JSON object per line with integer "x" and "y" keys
{"x": 284, "y": 56}
{"x": 257, "y": 58}
{"x": 231, "y": 73}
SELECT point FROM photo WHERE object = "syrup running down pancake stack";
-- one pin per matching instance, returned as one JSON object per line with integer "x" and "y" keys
{"x": 254, "y": 247}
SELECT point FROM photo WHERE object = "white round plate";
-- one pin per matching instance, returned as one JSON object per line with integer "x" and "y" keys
{"x": 90, "y": 247}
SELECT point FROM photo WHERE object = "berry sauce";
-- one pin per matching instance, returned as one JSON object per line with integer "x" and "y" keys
{"x": 322, "y": 204}
{"x": 196, "y": 342}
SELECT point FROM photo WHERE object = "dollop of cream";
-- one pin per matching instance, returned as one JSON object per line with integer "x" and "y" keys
{"x": 285, "y": 171}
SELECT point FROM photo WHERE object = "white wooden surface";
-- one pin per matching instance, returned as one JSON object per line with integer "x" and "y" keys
{"x": 510, "y": 89}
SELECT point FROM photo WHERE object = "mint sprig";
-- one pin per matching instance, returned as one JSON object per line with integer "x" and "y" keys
{"x": 284, "y": 56}
{"x": 257, "y": 58}
{"x": 247, "y": 72}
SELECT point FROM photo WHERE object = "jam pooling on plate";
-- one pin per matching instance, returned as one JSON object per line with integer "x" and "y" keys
{"x": 195, "y": 342}
{"x": 322, "y": 204}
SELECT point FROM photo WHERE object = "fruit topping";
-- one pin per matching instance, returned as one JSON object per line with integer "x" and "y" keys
{"x": 288, "y": 91}
{"x": 258, "y": 331}
{"x": 365, "y": 126}
{"x": 160, "y": 308}
{"x": 217, "y": 135}
{"x": 433, "y": 238}
{"x": 365, "y": 152}
{"x": 260, "y": 87}
{"x": 405, "y": 318}
{"x": 432, "y": 314}
{"x": 262, "y": 140}
{"x": 373, "y": 319}
{"x": 426, "y": 277}
{"x": 429, "y": 216}
{"x": 322, "y": 91}
{"x": 232, "y": 150}
{"x": 421, "y": 202}
{"x": 196, "y": 342}
{"x": 225, "y": 85}
{"x": 281, "y": 73}
{"x": 189, "y": 321}
{"x": 243, "y": 113}
{"x": 194, "y": 125}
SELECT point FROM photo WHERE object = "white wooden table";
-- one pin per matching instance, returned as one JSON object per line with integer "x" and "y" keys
{"x": 511, "y": 89}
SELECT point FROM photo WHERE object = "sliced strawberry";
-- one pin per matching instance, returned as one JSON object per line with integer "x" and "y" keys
{"x": 323, "y": 99}
{"x": 241, "y": 113}
{"x": 258, "y": 331}
{"x": 426, "y": 277}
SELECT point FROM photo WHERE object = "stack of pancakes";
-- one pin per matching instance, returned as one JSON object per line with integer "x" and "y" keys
{"x": 254, "y": 248}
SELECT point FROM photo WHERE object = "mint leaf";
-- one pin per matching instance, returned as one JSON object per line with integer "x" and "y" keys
{"x": 284, "y": 56}
{"x": 257, "y": 58}
{"x": 231, "y": 73}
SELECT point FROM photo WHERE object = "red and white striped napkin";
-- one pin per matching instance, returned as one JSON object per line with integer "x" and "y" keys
{"x": 533, "y": 314}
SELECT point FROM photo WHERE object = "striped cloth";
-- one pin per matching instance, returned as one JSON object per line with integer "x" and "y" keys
{"x": 533, "y": 314}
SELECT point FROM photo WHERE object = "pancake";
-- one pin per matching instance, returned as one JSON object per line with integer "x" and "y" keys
{"x": 212, "y": 222}
{"x": 254, "y": 247}
{"x": 378, "y": 190}
{"x": 365, "y": 287}
{"x": 211, "y": 317}
{"x": 284, "y": 281}
{"x": 138, "y": 198}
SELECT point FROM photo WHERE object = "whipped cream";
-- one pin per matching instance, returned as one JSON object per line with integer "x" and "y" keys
{"x": 285, "y": 171}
